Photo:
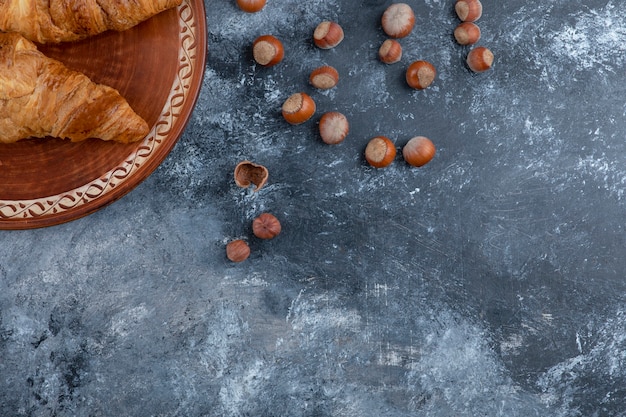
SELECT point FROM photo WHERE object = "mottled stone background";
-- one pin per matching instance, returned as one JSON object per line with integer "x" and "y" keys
{"x": 490, "y": 282}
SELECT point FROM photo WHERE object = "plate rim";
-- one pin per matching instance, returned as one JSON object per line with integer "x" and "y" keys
{"x": 112, "y": 185}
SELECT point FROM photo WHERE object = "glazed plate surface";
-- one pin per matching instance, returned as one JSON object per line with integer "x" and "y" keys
{"x": 158, "y": 67}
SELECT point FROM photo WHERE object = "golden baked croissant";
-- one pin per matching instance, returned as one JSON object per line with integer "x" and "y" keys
{"x": 54, "y": 21}
{"x": 41, "y": 97}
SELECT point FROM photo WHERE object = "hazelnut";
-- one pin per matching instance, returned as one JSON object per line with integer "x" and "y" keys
{"x": 237, "y": 250}
{"x": 266, "y": 226}
{"x": 480, "y": 59}
{"x": 390, "y": 51}
{"x": 468, "y": 10}
{"x": 298, "y": 108}
{"x": 334, "y": 127}
{"x": 248, "y": 173}
{"x": 398, "y": 20}
{"x": 327, "y": 35}
{"x": 380, "y": 152}
{"x": 267, "y": 50}
{"x": 251, "y": 6}
{"x": 467, "y": 33}
{"x": 418, "y": 151}
{"x": 420, "y": 74}
{"x": 325, "y": 77}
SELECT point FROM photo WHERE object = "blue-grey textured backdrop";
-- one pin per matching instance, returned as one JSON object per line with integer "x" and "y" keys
{"x": 490, "y": 282}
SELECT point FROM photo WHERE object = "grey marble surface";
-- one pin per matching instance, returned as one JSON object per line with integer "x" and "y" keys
{"x": 490, "y": 282}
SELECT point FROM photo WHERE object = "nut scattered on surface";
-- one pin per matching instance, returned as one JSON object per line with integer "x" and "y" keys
{"x": 266, "y": 226}
{"x": 420, "y": 74}
{"x": 248, "y": 173}
{"x": 398, "y": 20}
{"x": 480, "y": 59}
{"x": 324, "y": 77}
{"x": 268, "y": 50}
{"x": 327, "y": 35}
{"x": 334, "y": 127}
{"x": 390, "y": 51}
{"x": 298, "y": 108}
{"x": 237, "y": 250}
{"x": 251, "y": 6}
{"x": 380, "y": 152}
{"x": 468, "y": 10}
{"x": 467, "y": 33}
{"x": 418, "y": 151}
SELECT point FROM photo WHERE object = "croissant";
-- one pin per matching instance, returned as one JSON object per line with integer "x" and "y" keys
{"x": 40, "y": 97}
{"x": 54, "y": 21}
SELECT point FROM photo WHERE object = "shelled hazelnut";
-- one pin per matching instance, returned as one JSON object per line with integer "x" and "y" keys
{"x": 248, "y": 173}
{"x": 390, "y": 51}
{"x": 480, "y": 59}
{"x": 398, "y": 20}
{"x": 268, "y": 50}
{"x": 420, "y": 74}
{"x": 334, "y": 127}
{"x": 298, "y": 108}
{"x": 251, "y": 6}
{"x": 467, "y": 33}
{"x": 324, "y": 77}
{"x": 266, "y": 226}
{"x": 328, "y": 34}
{"x": 237, "y": 250}
{"x": 468, "y": 10}
{"x": 418, "y": 151}
{"x": 380, "y": 152}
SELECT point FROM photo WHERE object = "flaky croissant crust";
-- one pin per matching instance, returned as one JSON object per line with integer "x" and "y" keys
{"x": 40, "y": 97}
{"x": 54, "y": 21}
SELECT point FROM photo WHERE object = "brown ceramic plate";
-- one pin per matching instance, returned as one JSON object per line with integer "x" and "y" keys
{"x": 158, "y": 67}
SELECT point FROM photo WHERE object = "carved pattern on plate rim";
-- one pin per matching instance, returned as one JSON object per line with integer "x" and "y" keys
{"x": 96, "y": 189}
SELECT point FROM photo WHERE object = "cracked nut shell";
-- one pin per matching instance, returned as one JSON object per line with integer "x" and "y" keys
{"x": 248, "y": 173}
